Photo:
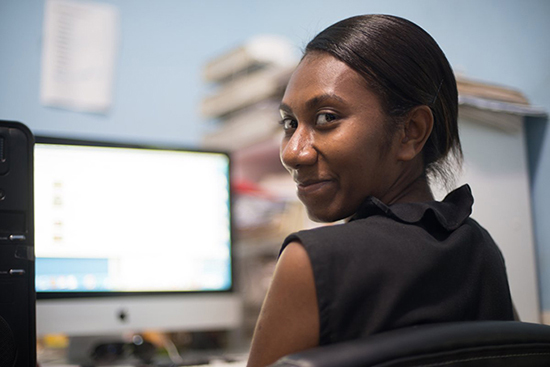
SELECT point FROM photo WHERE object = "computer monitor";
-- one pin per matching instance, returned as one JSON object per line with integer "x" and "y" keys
{"x": 132, "y": 238}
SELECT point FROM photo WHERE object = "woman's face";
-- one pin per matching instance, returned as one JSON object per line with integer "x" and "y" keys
{"x": 336, "y": 144}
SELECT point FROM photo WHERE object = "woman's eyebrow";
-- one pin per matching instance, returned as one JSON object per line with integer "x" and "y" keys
{"x": 314, "y": 102}
{"x": 285, "y": 108}
{"x": 318, "y": 100}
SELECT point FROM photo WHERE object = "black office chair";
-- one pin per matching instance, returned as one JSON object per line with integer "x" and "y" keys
{"x": 464, "y": 344}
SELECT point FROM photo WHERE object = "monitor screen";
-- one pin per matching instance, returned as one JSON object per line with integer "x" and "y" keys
{"x": 116, "y": 221}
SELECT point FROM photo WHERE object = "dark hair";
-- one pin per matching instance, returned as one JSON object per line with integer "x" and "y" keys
{"x": 406, "y": 68}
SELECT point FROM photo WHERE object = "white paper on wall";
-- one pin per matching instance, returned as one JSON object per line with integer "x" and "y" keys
{"x": 78, "y": 57}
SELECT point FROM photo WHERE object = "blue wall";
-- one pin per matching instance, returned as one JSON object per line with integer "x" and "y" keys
{"x": 165, "y": 42}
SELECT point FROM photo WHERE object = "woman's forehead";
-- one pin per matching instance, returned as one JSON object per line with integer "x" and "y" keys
{"x": 319, "y": 75}
{"x": 321, "y": 68}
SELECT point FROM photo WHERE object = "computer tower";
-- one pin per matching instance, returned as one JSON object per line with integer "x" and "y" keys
{"x": 17, "y": 292}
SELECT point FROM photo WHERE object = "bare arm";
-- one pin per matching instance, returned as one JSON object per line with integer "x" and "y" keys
{"x": 289, "y": 320}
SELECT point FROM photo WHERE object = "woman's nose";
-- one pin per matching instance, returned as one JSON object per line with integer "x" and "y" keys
{"x": 299, "y": 149}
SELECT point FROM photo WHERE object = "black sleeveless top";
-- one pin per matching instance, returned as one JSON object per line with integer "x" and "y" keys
{"x": 405, "y": 264}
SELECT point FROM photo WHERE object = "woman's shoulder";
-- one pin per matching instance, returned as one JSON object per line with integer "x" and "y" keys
{"x": 376, "y": 234}
{"x": 340, "y": 232}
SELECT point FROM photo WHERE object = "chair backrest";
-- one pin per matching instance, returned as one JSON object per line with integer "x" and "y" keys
{"x": 464, "y": 344}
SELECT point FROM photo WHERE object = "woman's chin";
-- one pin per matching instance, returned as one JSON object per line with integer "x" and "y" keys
{"x": 324, "y": 215}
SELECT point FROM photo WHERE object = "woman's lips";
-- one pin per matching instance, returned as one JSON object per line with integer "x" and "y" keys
{"x": 310, "y": 187}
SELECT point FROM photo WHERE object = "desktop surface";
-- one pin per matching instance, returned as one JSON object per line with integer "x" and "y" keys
{"x": 123, "y": 354}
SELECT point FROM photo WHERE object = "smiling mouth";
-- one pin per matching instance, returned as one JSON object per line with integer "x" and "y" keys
{"x": 311, "y": 186}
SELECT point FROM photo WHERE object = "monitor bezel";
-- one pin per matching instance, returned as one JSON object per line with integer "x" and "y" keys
{"x": 50, "y": 140}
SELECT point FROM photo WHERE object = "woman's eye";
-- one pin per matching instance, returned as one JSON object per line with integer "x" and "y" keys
{"x": 324, "y": 118}
{"x": 289, "y": 124}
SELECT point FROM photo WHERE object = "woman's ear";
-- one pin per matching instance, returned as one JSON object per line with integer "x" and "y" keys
{"x": 416, "y": 131}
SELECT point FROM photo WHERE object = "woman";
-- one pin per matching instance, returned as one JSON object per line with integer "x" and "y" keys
{"x": 370, "y": 115}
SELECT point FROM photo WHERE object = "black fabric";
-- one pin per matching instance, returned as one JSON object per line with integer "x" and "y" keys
{"x": 406, "y": 264}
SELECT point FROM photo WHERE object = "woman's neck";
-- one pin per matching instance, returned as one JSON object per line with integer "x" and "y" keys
{"x": 418, "y": 190}
{"x": 410, "y": 186}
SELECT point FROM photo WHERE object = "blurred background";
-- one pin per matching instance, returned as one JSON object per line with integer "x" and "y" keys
{"x": 161, "y": 87}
